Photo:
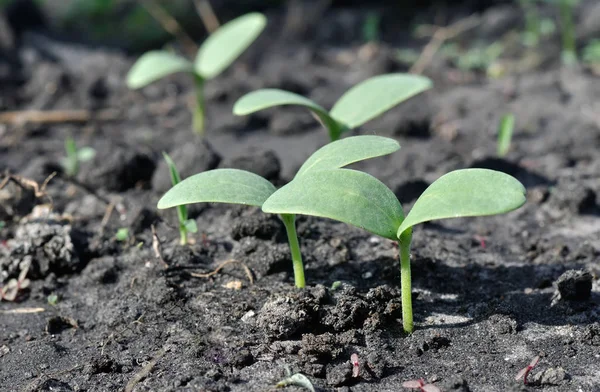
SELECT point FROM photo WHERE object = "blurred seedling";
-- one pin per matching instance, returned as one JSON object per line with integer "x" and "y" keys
{"x": 74, "y": 156}
{"x": 185, "y": 225}
{"x": 505, "y": 132}
{"x": 479, "y": 57}
{"x": 535, "y": 25}
{"x": 567, "y": 29}
{"x": 523, "y": 373}
{"x": 215, "y": 54}
{"x": 14, "y": 286}
{"x": 361, "y": 200}
{"x": 355, "y": 365}
{"x": 53, "y": 299}
{"x": 299, "y": 380}
{"x": 420, "y": 385}
{"x": 371, "y": 27}
{"x": 358, "y": 105}
{"x": 241, "y": 187}
{"x": 591, "y": 55}
{"x": 122, "y": 234}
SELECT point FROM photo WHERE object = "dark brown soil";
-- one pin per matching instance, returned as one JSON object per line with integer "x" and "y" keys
{"x": 486, "y": 290}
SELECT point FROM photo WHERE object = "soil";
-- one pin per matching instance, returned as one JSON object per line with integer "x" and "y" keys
{"x": 490, "y": 294}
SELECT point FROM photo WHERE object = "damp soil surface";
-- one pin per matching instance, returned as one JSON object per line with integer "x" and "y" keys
{"x": 490, "y": 294}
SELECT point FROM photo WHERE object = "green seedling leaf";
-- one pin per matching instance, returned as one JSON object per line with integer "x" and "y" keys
{"x": 191, "y": 226}
{"x": 155, "y": 65}
{"x": 376, "y": 95}
{"x": 122, "y": 234}
{"x": 349, "y": 150}
{"x": 297, "y": 379}
{"x": 505, "y": 132}
{"x": 269, "y": 97}
{"x": 464, "y": 193}
{"x": 219, "y": 186}
{"x": 53, "y": 299}
{"x": 70, "y": 163}
{"x": 226, "y": 44}
{"x": 345, "y": 195}
{"x": 85, "y": 154}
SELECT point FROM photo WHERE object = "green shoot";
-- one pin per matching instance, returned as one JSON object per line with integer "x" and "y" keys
{"x": 185, "y": 225}
{"x": 505, "y": 132}
{"x": 122, "y": 234}
{"x": 358, "y": 105}
{"x": 567, "y": 26}
{"x": 297, "y": 379}
{"x": 242, "y": 187}
{"x": 370, "y": 28}
{"x": 217, "y": 53}
{"x": 591, "y": 52}
{"x": 74, "y": 156}
{"x": 361, "y": 200}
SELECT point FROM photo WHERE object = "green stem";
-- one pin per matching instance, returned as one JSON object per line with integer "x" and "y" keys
{"x": 198, "y": 120}
{"x": 289, "y": 221}
{"x": 182, "y": 234}
{"x": 569, "y": 54}
{"x": 405, "y": 280}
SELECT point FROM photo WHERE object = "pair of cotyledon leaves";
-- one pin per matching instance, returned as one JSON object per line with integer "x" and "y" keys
{"x": 322, "y": 188}
{"x": 215, "y": 54}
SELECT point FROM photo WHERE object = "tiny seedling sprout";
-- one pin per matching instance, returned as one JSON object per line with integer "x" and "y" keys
{"x": 523, "y": 373}
{"x": 358, "y": 105}
{"x": 122, "y": 234}
{"x": 74, "y": 156}
{"x": 355, "y": 365}
{"x": 185, "y": 225}
{"x": 361, "y": 200}
{"x": 505, "y": 133}
{"x": 567, "y": 28}
{"x": 241, "y": 187}
{"x": 421, "y": 385}
{"x": 216, "y": 53}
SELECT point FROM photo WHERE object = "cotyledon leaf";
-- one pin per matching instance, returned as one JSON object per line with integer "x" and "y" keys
{"x": 227, "y": 43}
{"x": 219, "y": 186}
{"x": 155, "y": 65}
{"x": 345, "y": 195}
{"x": 376, "y": 95}
{"x": 464, "y": 193}
{"x": 269, "y": 97}
{"x": 349, "y": 150}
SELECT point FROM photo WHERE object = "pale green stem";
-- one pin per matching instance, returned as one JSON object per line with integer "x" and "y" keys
{"x": 289, "y": 221}
{"x": 569, "y": 53}
{"x": 199, "y": 112}
{"x": 405, "y": 280}
{"x": 182, "y": 234}
{"x": 182, "y": 215}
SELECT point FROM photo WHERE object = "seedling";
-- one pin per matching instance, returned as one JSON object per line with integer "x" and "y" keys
{"x": 358, "y": 105}
{"x": 217, "y": 53}
{"x": 75, "y": 156}
{"x": 523, "y": 373}
{"x": 14, "y": 286}
{"x": 185, "y": 225}
{"x": 355, "y": 365}
{"x": 591, "y": 52}
{"x": 361, "y": 200}
{"x": 242, "y": 187}
{"x": 505, "y": 132}
{"x": 421, "y": 385}
{"x": 122, "y": 234}
{"x": 297, "y": 379}
{"x": 370, "y": 28}
{"x": 567, "y": 30}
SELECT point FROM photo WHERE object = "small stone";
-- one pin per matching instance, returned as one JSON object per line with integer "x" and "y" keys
{"x": 551, "y": 376}
{"x": 246, "y": 318}
{"x": 574, "y": 285}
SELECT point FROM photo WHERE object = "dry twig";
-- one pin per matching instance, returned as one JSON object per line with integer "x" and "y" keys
{"x": 170, "y": 25}
{"x": 220, "y": 267}
{"x": 207, "y": 14}
{"x": 439, "y": 35}
{"x": 157, "y": 247}
{"x": 20, "y": 117}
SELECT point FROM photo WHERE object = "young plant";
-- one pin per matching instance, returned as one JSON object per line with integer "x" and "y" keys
{"x": 421, "y": 385}
{"x": 505, "y": 132}
{"x": 185, "y": 225}
{"x": 567, "y": 28}
{"x": 358, "y": 105}
{"x": 241, "y": 187}
{"x": 219, "y": 50}
{"x": 523, "y": 373}
{"x": 75, "y": 156}
{"x": 361, "y": 200}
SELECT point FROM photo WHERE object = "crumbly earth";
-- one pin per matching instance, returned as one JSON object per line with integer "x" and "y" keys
{"x": 490, "y": 293}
